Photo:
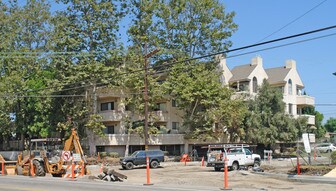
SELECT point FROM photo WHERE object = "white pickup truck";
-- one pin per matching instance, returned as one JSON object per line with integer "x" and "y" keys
{"x": 238, "y": 155}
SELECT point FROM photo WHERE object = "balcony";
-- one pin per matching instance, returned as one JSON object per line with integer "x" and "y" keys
{"x": 111, "y": 115}
{"x": 310, "y": 119}
{"x": 160, "y": 116}
{"x": 305, "y": 100}
{"x": 134, "y": 139}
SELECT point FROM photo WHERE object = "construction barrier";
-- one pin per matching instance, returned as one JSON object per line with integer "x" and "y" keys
{"x": 185, "y": 158}
{"x": 73, "y": 170}
{"x": 3, "y": 168}
{"x": 148, "y": 172}
{"x": 101, "y": 168}
{"x": 298, "y": 166}
{"x": 268, "y": 155}
{"x": 226, "y": 176}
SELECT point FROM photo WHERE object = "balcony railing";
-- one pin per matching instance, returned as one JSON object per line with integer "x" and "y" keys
{"x": 161, "y": 115}
{"x": 134, "y": 139}
{"x": 111, "y": 115}
{"x": 310, "y": 118}
{"x": 305, "y": 100}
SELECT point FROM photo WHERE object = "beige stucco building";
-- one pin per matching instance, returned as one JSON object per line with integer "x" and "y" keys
{"x": 245, "y": 79}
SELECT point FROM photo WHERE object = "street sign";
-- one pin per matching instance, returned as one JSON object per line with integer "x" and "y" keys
{"x": 306, "y": 142}
{"x": 76, "y": 157}
{"x": 66, "y": 155}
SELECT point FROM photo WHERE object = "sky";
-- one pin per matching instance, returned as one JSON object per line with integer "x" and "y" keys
{"x": 316, "y": 60}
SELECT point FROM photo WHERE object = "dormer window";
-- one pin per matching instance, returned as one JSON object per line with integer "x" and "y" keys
{"x": 255, "y": 85}
{"x": 290, "y": 87}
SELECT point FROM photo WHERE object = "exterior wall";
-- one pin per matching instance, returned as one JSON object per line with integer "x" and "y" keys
{"x": 258, "y": 72}
{"x": 296, "y": 99}
{"x": 168, "y": 114}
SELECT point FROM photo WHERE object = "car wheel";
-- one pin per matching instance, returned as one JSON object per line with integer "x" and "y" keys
{"x": 217, "y": 169}
{"x": 154, "y": 164}
{"x": 129, "y": 165}
{"x": 256, "y": 164}
{"x": 235, "y": 166}
{"x": 328, "y": 151}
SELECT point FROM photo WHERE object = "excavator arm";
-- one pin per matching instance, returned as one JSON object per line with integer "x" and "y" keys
{"x": 72, "y": 143}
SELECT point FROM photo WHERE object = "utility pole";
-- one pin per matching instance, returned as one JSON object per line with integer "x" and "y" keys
{"x": 146, "y": 108}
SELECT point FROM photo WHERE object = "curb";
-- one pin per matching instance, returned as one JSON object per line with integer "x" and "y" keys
{"x": 300, "y": 178}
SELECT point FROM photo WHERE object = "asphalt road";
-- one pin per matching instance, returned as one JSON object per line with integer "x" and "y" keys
{"x": 23, "y": 183}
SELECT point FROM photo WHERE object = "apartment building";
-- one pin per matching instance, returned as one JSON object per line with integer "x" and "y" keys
{"x": 245, "y": 79}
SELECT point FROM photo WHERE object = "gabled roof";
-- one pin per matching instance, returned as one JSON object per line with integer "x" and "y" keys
{"x": 242, "y": 72}
{"x": 277, "y": 75}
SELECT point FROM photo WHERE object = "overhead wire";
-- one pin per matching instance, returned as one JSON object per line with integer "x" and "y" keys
{"x": 293, "y": 21}
{"x": 204, "y": 56}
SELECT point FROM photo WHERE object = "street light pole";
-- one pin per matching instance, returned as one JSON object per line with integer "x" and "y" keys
{"x": 146, "y": 108}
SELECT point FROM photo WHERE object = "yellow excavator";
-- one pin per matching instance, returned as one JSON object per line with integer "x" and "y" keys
{"x": 43, "y": 165}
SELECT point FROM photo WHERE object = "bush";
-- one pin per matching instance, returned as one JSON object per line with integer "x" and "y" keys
{"x": 333, "y": 157}
{"x": 103, "y": 154}
{"x": 113, "y": 154}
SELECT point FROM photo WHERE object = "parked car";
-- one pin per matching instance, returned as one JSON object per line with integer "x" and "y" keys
{"x": 139, "y": 158}
{"x": 325, "y": 147}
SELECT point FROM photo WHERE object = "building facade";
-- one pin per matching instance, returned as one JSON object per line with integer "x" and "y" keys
{"x": 245, "y": 79}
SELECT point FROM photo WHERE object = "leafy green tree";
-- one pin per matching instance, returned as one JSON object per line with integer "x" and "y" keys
{"x": 187, "y": 28}
{"x": 25, "y": 30}
{"x": 90, "y": 29}
{"x": 266, "y": 121}
{"x": 330, "y": 125}
{"x": 208, "y": 111}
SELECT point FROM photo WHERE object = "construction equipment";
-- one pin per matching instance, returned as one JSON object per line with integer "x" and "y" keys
{"x": 50, "y": 162}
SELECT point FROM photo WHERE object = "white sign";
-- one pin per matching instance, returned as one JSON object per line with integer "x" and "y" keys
{"x": 306, "y": 142}
{"x": 66, "y": 155}
{"x": 76, "y": 157}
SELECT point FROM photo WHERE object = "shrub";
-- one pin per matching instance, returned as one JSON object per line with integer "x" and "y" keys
{"x": 103, "y": 154}
{"x": 113, "y": 154}
{"x": 333, "y": 157}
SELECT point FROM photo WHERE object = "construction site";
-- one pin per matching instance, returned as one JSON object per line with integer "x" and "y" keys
{"x": 71, "y": 165}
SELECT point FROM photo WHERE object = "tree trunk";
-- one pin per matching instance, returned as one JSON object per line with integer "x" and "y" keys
{"x": 127, "y": 143}
{"x": 21, "y": 145}
{"x": 92, "y": 145}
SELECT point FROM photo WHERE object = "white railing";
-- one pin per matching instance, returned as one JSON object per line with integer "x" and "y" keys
{"x": 305, "y": 100}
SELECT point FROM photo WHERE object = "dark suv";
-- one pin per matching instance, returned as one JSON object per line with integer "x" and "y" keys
{"x": 139, "y": 158}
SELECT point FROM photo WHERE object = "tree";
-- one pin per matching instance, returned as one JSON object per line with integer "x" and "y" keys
{"x": 187, "y": 28}
{"x": 330, "y": 125}
{"x": 183, "y": 29}
{"x": 90, "y": 29}
{"x": 208, "y": 111}
{"x": 25, "y": 32}
{"x": 266, "y": 121}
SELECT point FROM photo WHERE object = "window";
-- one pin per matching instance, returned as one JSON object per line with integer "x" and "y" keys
{"x": 290, "y": 109}
{"x": 290, "y": 87}
{"x": 175, "y": 125}
{"x": 174, "y": 104}
{"x": 255, "y": 85}
{"x": 107, "y": 106}
{"x": 109, "y": 129}
{"x": 160, "y": 107}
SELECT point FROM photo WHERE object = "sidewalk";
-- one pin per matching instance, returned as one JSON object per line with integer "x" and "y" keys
{"x": 300, "y": 178}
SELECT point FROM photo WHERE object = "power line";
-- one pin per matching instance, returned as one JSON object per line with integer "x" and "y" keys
{"x": 310, "y": 10}
{"x": 209, "y": 55}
